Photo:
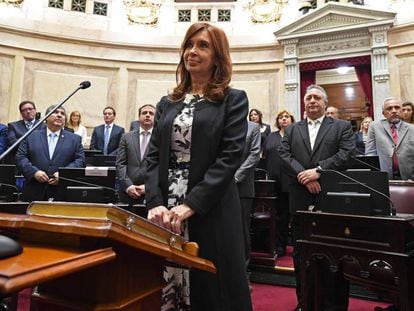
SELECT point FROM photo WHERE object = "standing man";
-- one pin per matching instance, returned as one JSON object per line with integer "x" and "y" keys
{"x": 130, "y": 161}
{"x": 17, "y": 129}
{"x": 3, "y": 138}
{"x": 134, "y": 126}
{"x": 106, "y": 137}
{"x": 315, "y": 142}
{"x": 393, "y": 141}
{"x": 42, "y": 153}
{"x": 244, "y": 177}
{"x": 333, "y": 112}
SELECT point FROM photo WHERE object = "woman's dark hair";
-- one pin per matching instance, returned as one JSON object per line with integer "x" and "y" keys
{"x": 220, "y": 79}
{"x": 408, "y": 103}
{"x": 259, "y": 113}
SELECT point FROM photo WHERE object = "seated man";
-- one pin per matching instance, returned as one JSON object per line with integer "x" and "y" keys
{"x": 130, "y": 161}
{"x": 42, "y": 153}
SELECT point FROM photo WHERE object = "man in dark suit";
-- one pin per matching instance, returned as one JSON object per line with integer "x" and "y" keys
{"x": 244, "y": 177}
{"x": 130, "y": 160}
{"x": 106, "y": 137}
{"x": 17, "y": 129}
{"x": 315, "y": 142}
{"x": 42, "y": 153}
{"x": 3, "y": 138}
{"x": 134, "y": 126}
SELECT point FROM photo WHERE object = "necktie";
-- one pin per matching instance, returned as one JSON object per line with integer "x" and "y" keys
{"x": 313, "y": 132}
{"x": 29, "y": 125}
{"x": 106, "y": 139}
{"x": 394, "y": 133}
{"x": 52, "y": 144}
{"x": 144, "y": 143}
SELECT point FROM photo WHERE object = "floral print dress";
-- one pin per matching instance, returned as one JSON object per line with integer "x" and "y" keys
{"x": 176, "y": 295}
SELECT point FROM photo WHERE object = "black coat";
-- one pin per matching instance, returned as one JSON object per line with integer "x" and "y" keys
{"x": 334, "y": 149}
{"x": 218, "y": 138}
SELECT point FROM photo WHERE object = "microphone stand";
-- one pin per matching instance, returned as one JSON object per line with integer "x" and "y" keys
{"x": 8, "y": 246}
{"x": 83, "y": 85}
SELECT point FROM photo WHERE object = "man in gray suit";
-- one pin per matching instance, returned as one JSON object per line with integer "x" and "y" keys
{"x": 244, "y": 177}
{"x": 130, "y": 160}
{"x": 393, "y": 141}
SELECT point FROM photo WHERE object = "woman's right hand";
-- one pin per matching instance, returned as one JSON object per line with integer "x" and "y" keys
{"x": 161, "y": 216}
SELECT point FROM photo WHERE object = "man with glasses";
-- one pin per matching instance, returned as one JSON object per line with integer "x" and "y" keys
{"x": 18, "y": 128}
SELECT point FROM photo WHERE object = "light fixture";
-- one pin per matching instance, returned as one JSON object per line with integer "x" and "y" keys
{"x": 343, "y": 70}
{"x": 266, "y": 11}
{"x": 143, "y": 11}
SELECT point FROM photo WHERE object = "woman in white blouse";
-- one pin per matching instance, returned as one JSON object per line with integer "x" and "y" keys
{"x": 75, "y": 124}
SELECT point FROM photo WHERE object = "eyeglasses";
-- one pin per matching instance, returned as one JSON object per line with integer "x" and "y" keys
{"x": 27, "y": 110}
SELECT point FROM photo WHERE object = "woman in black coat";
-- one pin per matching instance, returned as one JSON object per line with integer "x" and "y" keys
{"x": 275, "y": 172}
{"x": 195, "y": 149}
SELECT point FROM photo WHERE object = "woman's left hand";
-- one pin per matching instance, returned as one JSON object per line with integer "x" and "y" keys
{"x": 178, "y": 214}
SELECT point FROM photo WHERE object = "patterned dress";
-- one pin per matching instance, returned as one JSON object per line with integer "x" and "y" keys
{"x": 176, "y": 295}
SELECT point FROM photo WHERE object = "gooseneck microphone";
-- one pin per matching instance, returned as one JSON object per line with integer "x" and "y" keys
{"x": 393, "y": 210}
{"x": 83, "y": 85}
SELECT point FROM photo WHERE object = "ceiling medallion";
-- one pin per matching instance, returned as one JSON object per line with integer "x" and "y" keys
{"x": 13, "y": 2}
{"x": 266, "y": 11}
{"x": 143, "y": 11}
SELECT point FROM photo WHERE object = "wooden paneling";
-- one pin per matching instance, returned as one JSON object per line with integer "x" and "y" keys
{"x": 349, "y": 98}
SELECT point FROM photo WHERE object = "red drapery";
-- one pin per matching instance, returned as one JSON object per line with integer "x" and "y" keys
{"x": 362, "y": 66}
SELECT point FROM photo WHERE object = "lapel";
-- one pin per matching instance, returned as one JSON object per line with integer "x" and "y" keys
{"x": 402, "y": 132}
{"x": 44, "y": 143}
{"x": 304, "y": 132}
{"x": 386, "y": 125}
{"x": 323, "y": 130}
{"x": 136, "y": 145}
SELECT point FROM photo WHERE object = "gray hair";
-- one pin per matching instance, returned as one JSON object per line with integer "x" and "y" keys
{"x": 320, "y": 88}
{"x": 388, "y": 99}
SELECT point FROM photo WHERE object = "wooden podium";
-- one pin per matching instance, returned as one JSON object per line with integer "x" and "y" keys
{"x": 91, "y": 257}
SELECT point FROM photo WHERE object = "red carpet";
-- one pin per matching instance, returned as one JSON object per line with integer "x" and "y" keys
{"x": 277, "y": 298}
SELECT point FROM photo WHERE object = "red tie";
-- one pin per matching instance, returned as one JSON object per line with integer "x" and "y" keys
{"x": 394, "y": 133}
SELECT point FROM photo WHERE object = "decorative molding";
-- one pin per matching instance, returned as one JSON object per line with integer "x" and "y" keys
{"x": 143, "y": 11}
{"x": 291, "y": 86}
{"x": 381, "y": 78}
{"x": 336, "y": 36}
{"x": 266, "y": 11}
{"x": 335, "y": 46}
{"x": 291, "y": 62}
{"x": 333, "y": 20}
{"x": 380, "y": 51}
{"x": 16, "y": 3}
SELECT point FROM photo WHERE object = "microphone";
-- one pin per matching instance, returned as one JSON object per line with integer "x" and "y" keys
{"x": 393, "y": 210}
{"x": 16, "y": 193}
{"x": 85, "y": 84}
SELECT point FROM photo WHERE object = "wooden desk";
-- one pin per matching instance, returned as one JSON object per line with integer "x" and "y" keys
{"x": 377, "y": 252}
{"x": 91, "y": 257}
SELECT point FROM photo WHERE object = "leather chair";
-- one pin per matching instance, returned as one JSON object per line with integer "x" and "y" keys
{"x": 263, "y": 220}
{"x": 402, "y": 195}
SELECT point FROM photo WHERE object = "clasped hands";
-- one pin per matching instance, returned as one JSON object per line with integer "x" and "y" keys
{"x": 42, "y": 177}
{"x": 170, "y": 219}
{"x": 309, "y": 178}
